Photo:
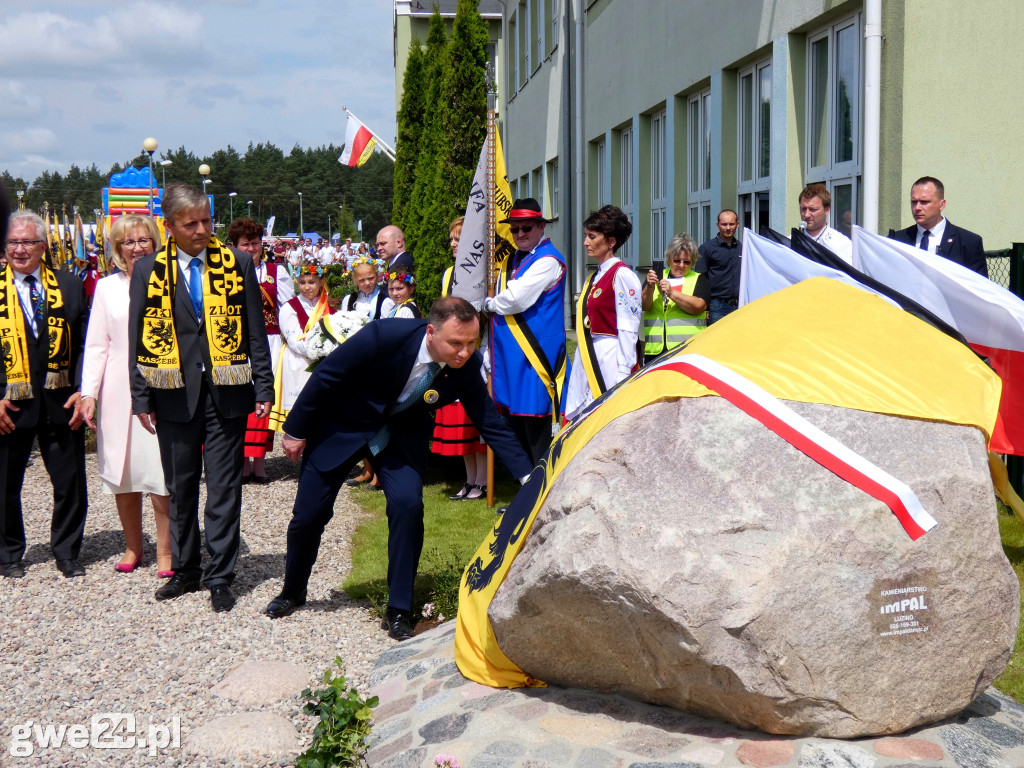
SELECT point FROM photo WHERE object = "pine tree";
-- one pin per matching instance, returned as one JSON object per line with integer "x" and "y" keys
{"x": 410, "y": 128}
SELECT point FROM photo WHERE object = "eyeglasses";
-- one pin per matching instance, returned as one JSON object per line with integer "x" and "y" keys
{"x": 143, "y": 242}
{"x": 13, "y": 245}
{"x": 524, "y": 228}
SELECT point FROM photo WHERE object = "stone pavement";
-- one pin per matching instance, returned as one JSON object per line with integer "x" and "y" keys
{"x": 428, "y": 708}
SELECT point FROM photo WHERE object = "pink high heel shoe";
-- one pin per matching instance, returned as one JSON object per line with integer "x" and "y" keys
{"x": 128, "y": 567}
{"x": 164, "y": 574}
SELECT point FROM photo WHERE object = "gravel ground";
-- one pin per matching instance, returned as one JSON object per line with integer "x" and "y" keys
{"x": 73, "y": 648}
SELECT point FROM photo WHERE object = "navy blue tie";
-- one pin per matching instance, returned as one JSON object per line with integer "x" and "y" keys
{"x": 924, "y": 240}
{"x": 37, "y": 302}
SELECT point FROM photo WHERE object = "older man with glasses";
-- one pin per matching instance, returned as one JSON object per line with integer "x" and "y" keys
{"x": 529, "y": 366}
{"x": 42, "y": 329}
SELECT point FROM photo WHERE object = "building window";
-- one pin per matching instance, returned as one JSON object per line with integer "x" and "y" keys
{"x": 835, "y": 98}
{"x": 550, "y": 26}
{"x": 627, "y": 194}
{"x": 553, "y": 188}
{"x": 513, "y": 55}
{"x": 698, "y": 138}
{"x": 523, "y": 40}
{"x": 537, "y": 186}
{"x": 659, "y": 185}
{"x": 524, "y": 186}
{"x": 601, "y": 166}
{"x": 754, "y": 167}
{"x": 536, "y": 39}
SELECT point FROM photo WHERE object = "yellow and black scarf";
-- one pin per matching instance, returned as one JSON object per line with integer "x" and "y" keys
{"x": 14, "y": 337}
{"x": 158, "y": 358}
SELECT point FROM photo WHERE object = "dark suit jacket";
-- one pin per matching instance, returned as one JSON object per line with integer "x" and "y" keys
{"x": 347, "y": 400}
{"x": 76, "y": 311}
{"x": 180, "y": 404}
{"x": 404, "y": 259}
{"x": 958, "y": 244}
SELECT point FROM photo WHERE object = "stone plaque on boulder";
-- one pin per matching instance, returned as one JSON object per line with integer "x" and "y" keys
{"x": 689, "y": 557}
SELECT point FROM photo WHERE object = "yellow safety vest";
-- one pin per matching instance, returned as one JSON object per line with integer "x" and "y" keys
{"x": 671, "y": 325}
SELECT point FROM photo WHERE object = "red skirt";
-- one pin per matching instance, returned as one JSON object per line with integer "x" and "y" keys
{"x": 454, "y": 433}
{"x": 259, "y": 437}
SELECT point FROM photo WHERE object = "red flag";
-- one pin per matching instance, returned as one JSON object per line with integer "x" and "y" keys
{"x": 989, "y": 316}
{"x": 359, "y": 144}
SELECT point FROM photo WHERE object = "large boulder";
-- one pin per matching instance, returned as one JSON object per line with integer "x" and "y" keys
{"x": 690, "y": 557}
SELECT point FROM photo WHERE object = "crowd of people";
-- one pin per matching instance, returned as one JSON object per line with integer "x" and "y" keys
{"x": 214, "y": 339}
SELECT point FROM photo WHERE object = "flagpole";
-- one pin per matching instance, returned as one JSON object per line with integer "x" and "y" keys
{"x": 387, "y": 149}
{"x": 489, "y": 255}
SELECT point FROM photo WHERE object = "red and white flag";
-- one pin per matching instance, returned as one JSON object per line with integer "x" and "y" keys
{"x": 359, "y": 144}
{"x": 989, "y": 316}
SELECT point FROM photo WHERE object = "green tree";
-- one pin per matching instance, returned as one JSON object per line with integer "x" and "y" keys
{"x": 410, "y": 128}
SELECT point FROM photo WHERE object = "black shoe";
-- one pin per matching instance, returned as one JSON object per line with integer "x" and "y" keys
{"x": 501, "y": 510}
{"x": 179, "y": 584}
{"x": 222, "y": 599}
{"x": 14, "y": 570}
{"x": 70, "y": 568}
{"x": 259, "y": 479}
{"x": 282, "y": 606}
{"x": 466, "y": 488}
{"x": 397, "y": 623}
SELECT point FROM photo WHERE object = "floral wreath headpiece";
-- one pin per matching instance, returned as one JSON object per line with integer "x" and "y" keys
{"x": 308, "y": 268}
{"x": 405, "y": 277}
{"x": 377, "y": 264}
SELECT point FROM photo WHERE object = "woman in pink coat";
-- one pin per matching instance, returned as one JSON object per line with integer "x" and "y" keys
{"x": 129, "y": 456}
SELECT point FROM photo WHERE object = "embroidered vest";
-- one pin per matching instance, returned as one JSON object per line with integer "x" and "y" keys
{"x": 268, "y": 291}
{"x": 601, "y": 304}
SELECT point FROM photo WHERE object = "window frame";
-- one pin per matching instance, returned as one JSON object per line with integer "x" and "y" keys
{"x": 698, "y": 153}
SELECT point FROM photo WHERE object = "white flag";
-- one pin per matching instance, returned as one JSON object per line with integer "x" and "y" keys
{"x": 270, "y": 225}
{"x": 470, "y": 271}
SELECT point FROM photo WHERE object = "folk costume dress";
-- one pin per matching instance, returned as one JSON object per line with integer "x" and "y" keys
{"x": 608, "y": 318}
{"x": 128, "y": 455}
{"x": 276, "y": 289}
{"x": 299, "y": 317}
{"x": 454, "y": 433}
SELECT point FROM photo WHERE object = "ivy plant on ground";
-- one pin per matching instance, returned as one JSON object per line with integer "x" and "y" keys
{"x": 339, "y": 739}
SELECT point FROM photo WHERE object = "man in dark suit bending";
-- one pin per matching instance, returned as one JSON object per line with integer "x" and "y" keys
{"x": 199, "y": 364}
{"x": 936, "y": 234}
{"x": 373, "y": 396}
{"x": 42, "y": 332}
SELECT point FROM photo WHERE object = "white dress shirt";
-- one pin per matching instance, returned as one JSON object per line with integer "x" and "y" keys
{"x": 934, "y": 238}
{"x": 836, "y": 242}
{"x": 25, "y": 296}
{"x": 522, "y": 292}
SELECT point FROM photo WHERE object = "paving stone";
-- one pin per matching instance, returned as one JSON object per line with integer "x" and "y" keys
{"x": 911, "y": 749}
{"x": 394, "y": 656}
{"x": 387, "y": 690}
{"x": 428, "y": 704}
{"x": 421, "y": 668}
{"x": 764, "y": 754}
{"x": 431, "y": 689}
{"x": 391, "y": 708}
{"x": 648, "y": 742}
{"x": 408, "y": 759}
{"x": 387, "y": 730}
{"x": 834, "y": 755}
{"x": 456, "y": 682}
{"x": 262, "y": 682}
{"x": 968, "y": 749}
{"x": 997, "y": 732}
{"x": 705, "y": 755}
{"x": 472, "y": 691}
{"x": 446, "y": 670}
{"x": 528, "y": 710}
{"x": 595, "y": 758}
{"x": 580, "y": 730}
{"x": 579, "y": 701}
{"x": 228, "y": 738}
{"x": 664, "y": 765}
{"x": 557, "y": 752}
{"x": 384, "y": 751}
{"x": 445, "y": 728}
{"x": 490, "y": 702}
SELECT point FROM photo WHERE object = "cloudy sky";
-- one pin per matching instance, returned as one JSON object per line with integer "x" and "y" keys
{"x": 85, "y": 82}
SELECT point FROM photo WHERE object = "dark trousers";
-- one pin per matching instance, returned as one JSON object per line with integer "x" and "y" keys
{"x": 314, "y": 507}
{"x": 185, "y": 446}
{"x": 533, "y": 433}
{"x": 719, "y": 308}
{"x": 63, "y": 452}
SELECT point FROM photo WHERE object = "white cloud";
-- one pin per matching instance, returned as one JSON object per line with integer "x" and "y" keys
{"x": 29, "y": 140}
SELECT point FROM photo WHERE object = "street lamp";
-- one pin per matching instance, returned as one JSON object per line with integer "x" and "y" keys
{"x": 301, "y": 231}
{"x": 328, "y": 229}
{"x": 231, "y": 204}
{"x": 21, "y": 201}
{"x": 163, "y": 172}
{"x": 150, "y": 145}
{"x": 249, "y": 203}
{"x": 204, "y": 171}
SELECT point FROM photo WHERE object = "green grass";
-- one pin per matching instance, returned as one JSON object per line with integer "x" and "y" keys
{"x": 1011, "y": 682}
{"x": 453, "y": 530}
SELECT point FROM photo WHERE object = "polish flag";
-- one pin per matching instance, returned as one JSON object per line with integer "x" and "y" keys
{"x": 989, "y": 316}
{"x": 359, "y": 144}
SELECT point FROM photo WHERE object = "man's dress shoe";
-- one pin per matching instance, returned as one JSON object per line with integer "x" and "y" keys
{"x": 397, "y": 623}
{"x": 14, "y": 570}
{"x": 282, "y": 606}
{"x": 176, "y": 586}
{"x": 222, "y": 599}
{"x": 70, "y": 568}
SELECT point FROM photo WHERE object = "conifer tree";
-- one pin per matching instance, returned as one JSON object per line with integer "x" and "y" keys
{"x": 410, "y": 128}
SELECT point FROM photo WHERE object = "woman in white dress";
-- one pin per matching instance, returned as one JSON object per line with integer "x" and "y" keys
{"x": 129, "y": 456}
{"x": 608, "y": 314}
{"x": 298, "y": 317}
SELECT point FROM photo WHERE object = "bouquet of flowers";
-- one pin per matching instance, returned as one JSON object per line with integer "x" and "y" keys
{"x": 330, "y": 332}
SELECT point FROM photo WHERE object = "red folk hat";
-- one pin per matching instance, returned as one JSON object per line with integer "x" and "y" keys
{"x": 523, "y": 210}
